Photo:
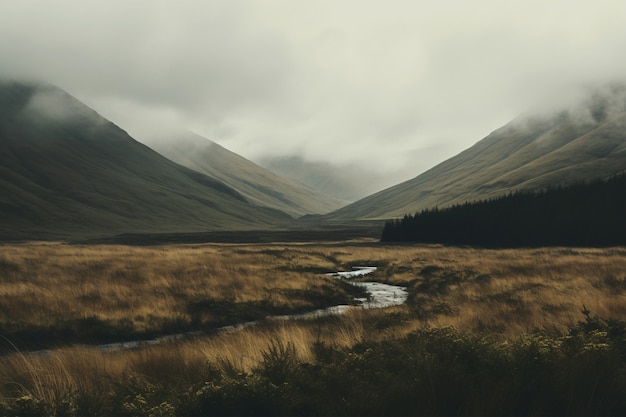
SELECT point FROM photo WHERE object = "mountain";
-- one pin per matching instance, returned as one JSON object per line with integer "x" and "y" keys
{"x": 585, "y": 142}
{"x": 65, "y": 170}
{"x": 258, "y": 185}
{"x": 348, "y": 182}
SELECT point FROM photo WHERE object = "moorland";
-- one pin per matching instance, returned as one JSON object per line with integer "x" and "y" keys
{"x": 147, "y": 280}
{"x": 484, "y": 331}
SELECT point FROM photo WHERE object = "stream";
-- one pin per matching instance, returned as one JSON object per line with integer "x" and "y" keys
{"x": 380, "y": 296}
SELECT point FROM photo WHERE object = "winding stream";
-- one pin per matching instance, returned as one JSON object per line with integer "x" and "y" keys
{"x": 380, "y": 296}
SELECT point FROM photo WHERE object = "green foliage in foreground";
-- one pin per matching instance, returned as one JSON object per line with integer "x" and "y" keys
{"x": 430, "y": 372}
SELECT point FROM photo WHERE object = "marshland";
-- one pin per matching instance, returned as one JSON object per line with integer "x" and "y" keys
{"x": 511, "y": 321}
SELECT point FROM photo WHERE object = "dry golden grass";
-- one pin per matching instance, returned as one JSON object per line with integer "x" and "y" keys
{"x": 521, "y": 290}
{"x": 42, "y": 284}
{"x": 507, "y": 292}
{"x": 94, "y": 373}
{"x": 513, "y": 290}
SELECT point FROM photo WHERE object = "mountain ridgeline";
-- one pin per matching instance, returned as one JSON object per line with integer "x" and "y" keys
{"x": 582, "y": 143}
{"x": 586, "y": 214}
{"x": 67, "y": 171}
{"x": 347, "y": 181}
{"x": 258, "y": 185}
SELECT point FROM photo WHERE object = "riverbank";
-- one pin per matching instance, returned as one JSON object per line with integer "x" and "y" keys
{"x": 57, "y": 295}
{"x": 377, "y": 295}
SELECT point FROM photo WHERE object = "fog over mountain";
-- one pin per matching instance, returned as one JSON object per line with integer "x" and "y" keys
{"x": 391, "y": 87}
{"x": 260, "y": 186}
{"x": 578, "y": 143}
{"x": 66, "y": 171}
{"x": 349, "y": 181}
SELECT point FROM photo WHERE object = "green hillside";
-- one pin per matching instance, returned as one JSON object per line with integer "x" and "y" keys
{"x": 530, "y": 153}
{"x": 259, "y": 185}
{"x": 65, "y": 170}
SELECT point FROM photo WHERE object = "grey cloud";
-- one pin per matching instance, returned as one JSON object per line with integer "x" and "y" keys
{"x": 332, "y": 81}
{"x": 51, "y": 104}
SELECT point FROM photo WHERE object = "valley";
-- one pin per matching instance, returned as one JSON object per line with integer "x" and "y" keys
{"x": 312, "y": 208}
{"x": 67, "y": 173}
{"x": 183, "y": 279}
{"x": 581, "y": 142}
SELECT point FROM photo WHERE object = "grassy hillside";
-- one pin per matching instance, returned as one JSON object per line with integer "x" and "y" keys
{"x": 259, "y": 185}
{"x": 65, "y": 170}
{"x": 530, "y": 153}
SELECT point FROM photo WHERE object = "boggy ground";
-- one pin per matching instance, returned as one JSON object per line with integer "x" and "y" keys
{"x": 522, "y": 322}
{"x": 60, "y": 294}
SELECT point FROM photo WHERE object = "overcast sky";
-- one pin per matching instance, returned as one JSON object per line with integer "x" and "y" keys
{"x": 403, "y": 84}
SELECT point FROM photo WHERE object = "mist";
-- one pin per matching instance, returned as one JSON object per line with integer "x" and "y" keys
{"x": 392, "y": 88}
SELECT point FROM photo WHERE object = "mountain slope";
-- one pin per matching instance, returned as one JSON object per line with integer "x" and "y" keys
{"x": 349, "y": 182}
{"x": 582, "y": 143}
{"x": 259, "y": 185}
{"x": 65, "y": 170}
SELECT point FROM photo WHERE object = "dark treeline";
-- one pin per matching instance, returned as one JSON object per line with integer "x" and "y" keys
{"x": 586, "y": 214}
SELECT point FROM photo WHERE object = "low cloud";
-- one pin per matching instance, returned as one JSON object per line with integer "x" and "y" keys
{"x": 367, "y": 82}
{"x": 52, "y": 104}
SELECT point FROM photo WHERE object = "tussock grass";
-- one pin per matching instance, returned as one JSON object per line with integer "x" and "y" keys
{"x": 135, "y": 290}
{"x": 152, "y": 290}
{"x": 86, "y": 380}
{"x": 516, "y": 291}
{"x": 500, "y": 297}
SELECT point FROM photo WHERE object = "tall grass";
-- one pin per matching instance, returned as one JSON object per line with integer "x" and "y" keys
{"x": 88, "y": 380}
{"x": 100, "y": 291}
{"x": 56, "y": 289}
{"x": 512, "y": 311}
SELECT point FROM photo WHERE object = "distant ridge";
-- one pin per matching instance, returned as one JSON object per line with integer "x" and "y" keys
{"x": 259, "y": 185}
{"x": 348, "y": 182}
{"x": 67, "y": 171}
{"x": 585, "y": 142}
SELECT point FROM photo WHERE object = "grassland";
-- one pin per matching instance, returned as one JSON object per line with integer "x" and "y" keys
{"x": 56, "y": 293}
{"x": 478, "y": 321}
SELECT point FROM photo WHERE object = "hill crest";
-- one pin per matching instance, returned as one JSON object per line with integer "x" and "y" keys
{"x": 259, "y": 185}
{"x": 584, "y": 142}
{"x": 65, "y": 170}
